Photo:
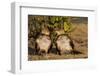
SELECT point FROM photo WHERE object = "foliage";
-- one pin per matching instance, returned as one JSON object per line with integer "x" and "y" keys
{"x": 37, "y": 23}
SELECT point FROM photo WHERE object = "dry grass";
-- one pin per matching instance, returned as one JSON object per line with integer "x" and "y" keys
{"x": 79, "y": 37}
{"x": 56, "y": 57}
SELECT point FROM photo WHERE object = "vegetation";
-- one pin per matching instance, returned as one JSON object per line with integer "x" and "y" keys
{"x": 76, "y": 27}
{"x": 37, "y": 23}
